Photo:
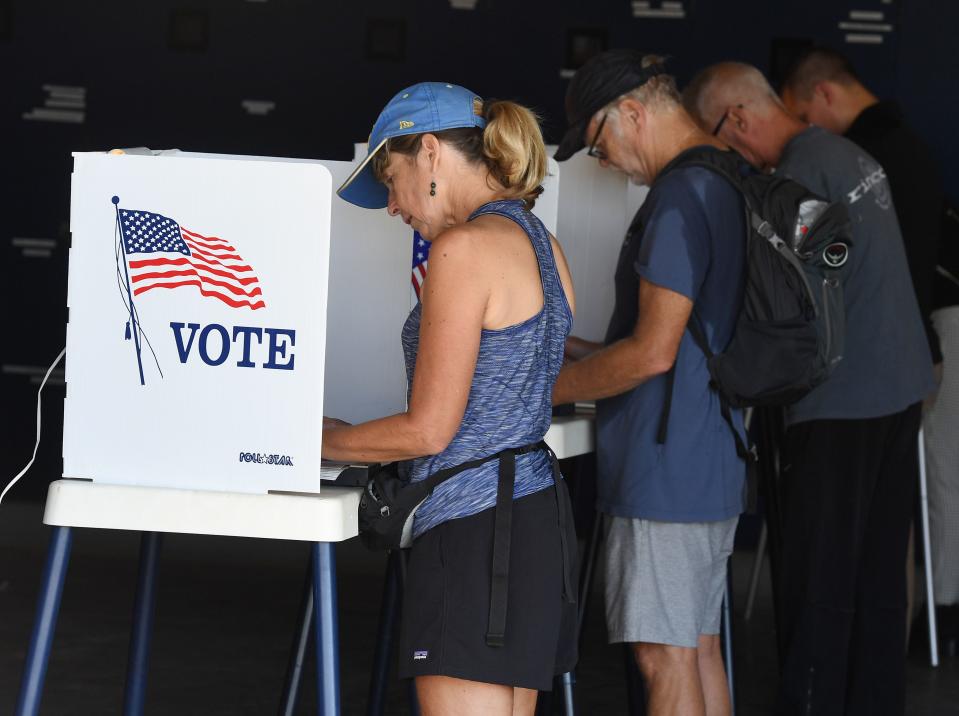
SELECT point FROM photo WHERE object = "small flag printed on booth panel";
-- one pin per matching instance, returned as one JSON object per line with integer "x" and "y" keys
{"x": 163, "y": 254}
{"x": 421, "y": 252}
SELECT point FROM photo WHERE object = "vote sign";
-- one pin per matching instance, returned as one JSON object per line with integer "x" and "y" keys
{"x": 197, "y": 321}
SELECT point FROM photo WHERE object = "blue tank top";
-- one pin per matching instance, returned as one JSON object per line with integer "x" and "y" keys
{"x": 510, "y": 400}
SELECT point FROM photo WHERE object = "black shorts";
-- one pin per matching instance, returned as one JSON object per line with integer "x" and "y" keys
{"x": 447, "y": 597}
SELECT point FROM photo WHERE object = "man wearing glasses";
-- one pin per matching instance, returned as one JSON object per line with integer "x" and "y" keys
{"x": 850, "y": 461}
{"x": 672, "y": 490}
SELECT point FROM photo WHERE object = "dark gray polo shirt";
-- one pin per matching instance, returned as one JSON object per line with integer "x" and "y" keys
{"x": 886, "y": 365}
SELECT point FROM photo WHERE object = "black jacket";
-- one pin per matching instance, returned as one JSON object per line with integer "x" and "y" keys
{"x": 916, "y": 192}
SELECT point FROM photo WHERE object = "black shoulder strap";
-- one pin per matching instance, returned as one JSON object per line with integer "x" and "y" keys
{"x": 696, "y": 331}
{"x": 727, "y": 164}
{"x": 721, "y": 163}
{"x": 667, "y": 404}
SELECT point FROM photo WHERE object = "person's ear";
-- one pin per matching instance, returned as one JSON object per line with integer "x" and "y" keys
{"x": 632, "y": 113}
{"x": 738, "y": 120}
{"x": 825, "y": 91}
{"x": 430, "y": 147}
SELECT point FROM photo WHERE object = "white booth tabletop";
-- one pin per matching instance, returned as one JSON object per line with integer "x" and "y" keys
{"x": 329, "y": 516}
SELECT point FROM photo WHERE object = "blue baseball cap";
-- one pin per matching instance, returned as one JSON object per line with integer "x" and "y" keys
{"x": 425, "y": 107}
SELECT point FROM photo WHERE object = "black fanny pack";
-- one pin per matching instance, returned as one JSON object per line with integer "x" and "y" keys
{"x": 389, "y": 504}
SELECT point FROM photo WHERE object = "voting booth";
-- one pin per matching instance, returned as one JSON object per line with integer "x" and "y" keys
{"x": 219, "y": 307}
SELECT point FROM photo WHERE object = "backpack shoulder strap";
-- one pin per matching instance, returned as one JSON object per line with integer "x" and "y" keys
{"x": 695, "y": 329}
{"x": 721, "y": 163}
{"x": 729, "y": 165}
{"x": 725, "y": 163}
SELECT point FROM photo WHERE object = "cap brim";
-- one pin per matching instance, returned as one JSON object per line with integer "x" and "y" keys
{"x": 362, "y": 187}
{"x": 572, "y": 143}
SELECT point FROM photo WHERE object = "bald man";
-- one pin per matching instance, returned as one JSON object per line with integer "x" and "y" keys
{"x": 850, "y": 450}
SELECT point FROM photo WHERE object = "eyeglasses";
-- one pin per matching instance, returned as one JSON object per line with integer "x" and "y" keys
{"x": 722, "y": 120}
{"x": 593, "y": 151}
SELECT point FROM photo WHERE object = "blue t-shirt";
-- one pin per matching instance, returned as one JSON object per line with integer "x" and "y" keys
{"x": 689, "y": 236}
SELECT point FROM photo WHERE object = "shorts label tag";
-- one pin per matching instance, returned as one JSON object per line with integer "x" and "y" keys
{"x": 420, "y": 654}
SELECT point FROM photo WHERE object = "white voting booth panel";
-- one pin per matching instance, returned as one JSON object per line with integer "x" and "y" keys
{"x": 547, "y": 205}
{"x": 595, "y": 208}
{"x": 370, "y": 261}
{"x": 213, "y": 424}
{"x": 226, "y": 267}
{"x": 289, "y": 248}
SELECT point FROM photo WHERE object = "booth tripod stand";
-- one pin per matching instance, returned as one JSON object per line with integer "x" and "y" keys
{"x": 321, "y": 519}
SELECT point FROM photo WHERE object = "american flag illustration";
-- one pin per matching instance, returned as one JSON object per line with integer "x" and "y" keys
{"x": 163, "y": 254}
{"x": 421, "y": 252}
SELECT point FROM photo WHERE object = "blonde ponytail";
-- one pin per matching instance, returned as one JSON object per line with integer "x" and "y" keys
{"x": 513, "y": 149}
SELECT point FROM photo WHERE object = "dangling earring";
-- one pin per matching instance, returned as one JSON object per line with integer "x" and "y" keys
{"x": 432, "y": 188}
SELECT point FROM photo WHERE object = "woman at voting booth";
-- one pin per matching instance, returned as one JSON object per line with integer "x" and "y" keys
{"x": 489, "y": 607}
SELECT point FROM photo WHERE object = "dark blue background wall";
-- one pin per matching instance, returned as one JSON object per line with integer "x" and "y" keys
{"x": 310, "y": 58}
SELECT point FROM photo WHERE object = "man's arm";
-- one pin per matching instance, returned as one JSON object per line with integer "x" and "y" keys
{"x": 648, "y": 352}
{"x": 579, "y": 348}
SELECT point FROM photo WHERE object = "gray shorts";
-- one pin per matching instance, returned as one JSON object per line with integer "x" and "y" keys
{"x": 665, "y": 580}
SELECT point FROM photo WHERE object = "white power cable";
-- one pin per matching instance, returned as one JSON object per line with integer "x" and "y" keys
{"x": 37, "y": 444}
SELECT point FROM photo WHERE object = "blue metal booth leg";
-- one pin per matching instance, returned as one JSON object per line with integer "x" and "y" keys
{"x": 45, "y": 622}
{"x": 389, "y": 608}
{"x": 327, "y": 637}
{"x": 144, "y": 607}
{"x": 304, "y": 626}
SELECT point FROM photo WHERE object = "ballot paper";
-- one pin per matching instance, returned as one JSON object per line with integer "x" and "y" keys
{"x": 344, "y": 474}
